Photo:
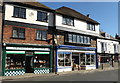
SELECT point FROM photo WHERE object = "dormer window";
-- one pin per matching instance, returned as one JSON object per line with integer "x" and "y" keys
{"x": 68, "y": 20}
{"x": 90, "y": 26}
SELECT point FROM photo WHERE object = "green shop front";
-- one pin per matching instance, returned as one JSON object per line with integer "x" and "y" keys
{"x": 20, "y": 59}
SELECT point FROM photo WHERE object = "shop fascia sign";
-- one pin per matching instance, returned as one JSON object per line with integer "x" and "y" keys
{"x": 27, "y": 48}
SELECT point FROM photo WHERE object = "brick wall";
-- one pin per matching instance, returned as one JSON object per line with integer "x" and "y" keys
{"x": 30, "y": 36}
{"x": 93, "y": 43}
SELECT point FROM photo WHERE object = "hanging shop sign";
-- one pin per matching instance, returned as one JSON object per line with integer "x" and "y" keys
{"x": 27, "y": 48}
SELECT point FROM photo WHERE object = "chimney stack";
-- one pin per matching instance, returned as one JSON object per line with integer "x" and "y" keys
{"x": 88, "y": 15}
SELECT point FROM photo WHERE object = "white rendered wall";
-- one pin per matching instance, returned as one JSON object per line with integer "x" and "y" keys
{"x": 110, "y": 47}
{"x": 78, "y": 25}
{"x": 29, "y": 18}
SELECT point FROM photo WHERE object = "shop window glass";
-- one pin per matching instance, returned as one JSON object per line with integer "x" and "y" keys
{"x": 82, "y": 59}
{"x": 67, "y": 60}
{"x": 87, "y": 59}
{"x": 92, "y": 59}
{"x": 61, "y": 59}
{"x": 64, "y": 60}
{"x": 15, "y": 61}
{"x": 42, "y": 61}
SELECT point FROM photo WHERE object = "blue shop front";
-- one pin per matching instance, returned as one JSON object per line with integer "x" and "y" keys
{"x": 71, "y": 58}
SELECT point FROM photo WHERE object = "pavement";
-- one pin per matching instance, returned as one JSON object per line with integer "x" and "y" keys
{"x": 32, "y": 75}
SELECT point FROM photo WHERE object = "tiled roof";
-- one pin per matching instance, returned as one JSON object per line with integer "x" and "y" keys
{"x": 73, "y": 13}
{"x": 37, "y": 4}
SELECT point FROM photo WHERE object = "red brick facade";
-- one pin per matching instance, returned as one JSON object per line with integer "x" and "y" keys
{"x": 30, "y": 36}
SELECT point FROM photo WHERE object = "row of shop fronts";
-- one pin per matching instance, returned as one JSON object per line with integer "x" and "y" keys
{"x": 19, "y": 59}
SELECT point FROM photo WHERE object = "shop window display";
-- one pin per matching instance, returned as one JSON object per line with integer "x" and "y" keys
{"x": 41, "y": 61}
{"x": 15, "y": 61}
{"x": 64, "y": 60}
{"x": 87, "y": 59}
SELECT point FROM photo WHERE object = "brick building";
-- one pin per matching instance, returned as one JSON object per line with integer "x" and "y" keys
{"x": 27, "y": 38}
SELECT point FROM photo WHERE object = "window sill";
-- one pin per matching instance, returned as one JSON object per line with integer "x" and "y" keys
{"x": 91, "y": 30}
{"x": 40, "y": 40}
{"x": 17, "y": 38}
{"x": 68, "y": 25}
{"x": 80, "y": 43}
{"x": 18, "y": 17}
{"x": 42, "y": 21}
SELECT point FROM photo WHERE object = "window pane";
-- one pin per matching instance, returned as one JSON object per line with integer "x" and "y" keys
{"x": 15, "y": 61}
{"x": 68, "y": 20}
{"x": 84, "y": 39}
{"x": 92, "y": 59}
{"x": 44, "y": 35}
{"x": 16, "y": 11}
{"x": 39, "y": 16}
{"x": 15, "y": 33}
{"x": 44, "y": 16}
{"x": 41, "y": 61}
{"x": 88, "y": 60}
{"x": 61, "y": 59}
{"x": 70, "y": 37}
{"x": 78, "y": 39}
{"x": 23, "y": 13}
{"x": 21, "y": 33}
{"x": 67, "y": 60}
{"x": 88, "y": 39}
{"x": 81, "y": 39}
{"x": 64, "y": 20}
{"x": 74, "y": 38}
{"x": 39, "y": 35}
{"x": 82, "y": 59}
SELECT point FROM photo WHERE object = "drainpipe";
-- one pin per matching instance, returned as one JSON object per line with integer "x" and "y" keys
{"x": 54, "y": 45}
{"x": 1, "y": 34}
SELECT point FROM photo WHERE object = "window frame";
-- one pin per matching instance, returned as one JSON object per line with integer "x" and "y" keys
{"x": 45, "y": 13}
{"x": 41, "y": 35}
{"x": 66, "y": 20}
{"x": 79, "y": 39}
{"x": 91, "y": 26}
{"x": 20, "y": 12}
{"x": 18, "y": 32}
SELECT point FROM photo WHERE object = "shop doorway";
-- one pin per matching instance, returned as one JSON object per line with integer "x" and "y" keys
{"x": 29, "y": 62}
{"x": 76, "y": 61}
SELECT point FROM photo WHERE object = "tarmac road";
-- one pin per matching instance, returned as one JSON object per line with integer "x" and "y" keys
{"x": 110, "y": 75}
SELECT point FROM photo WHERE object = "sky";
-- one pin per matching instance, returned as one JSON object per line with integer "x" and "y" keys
{"x": 106, "y": 13}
